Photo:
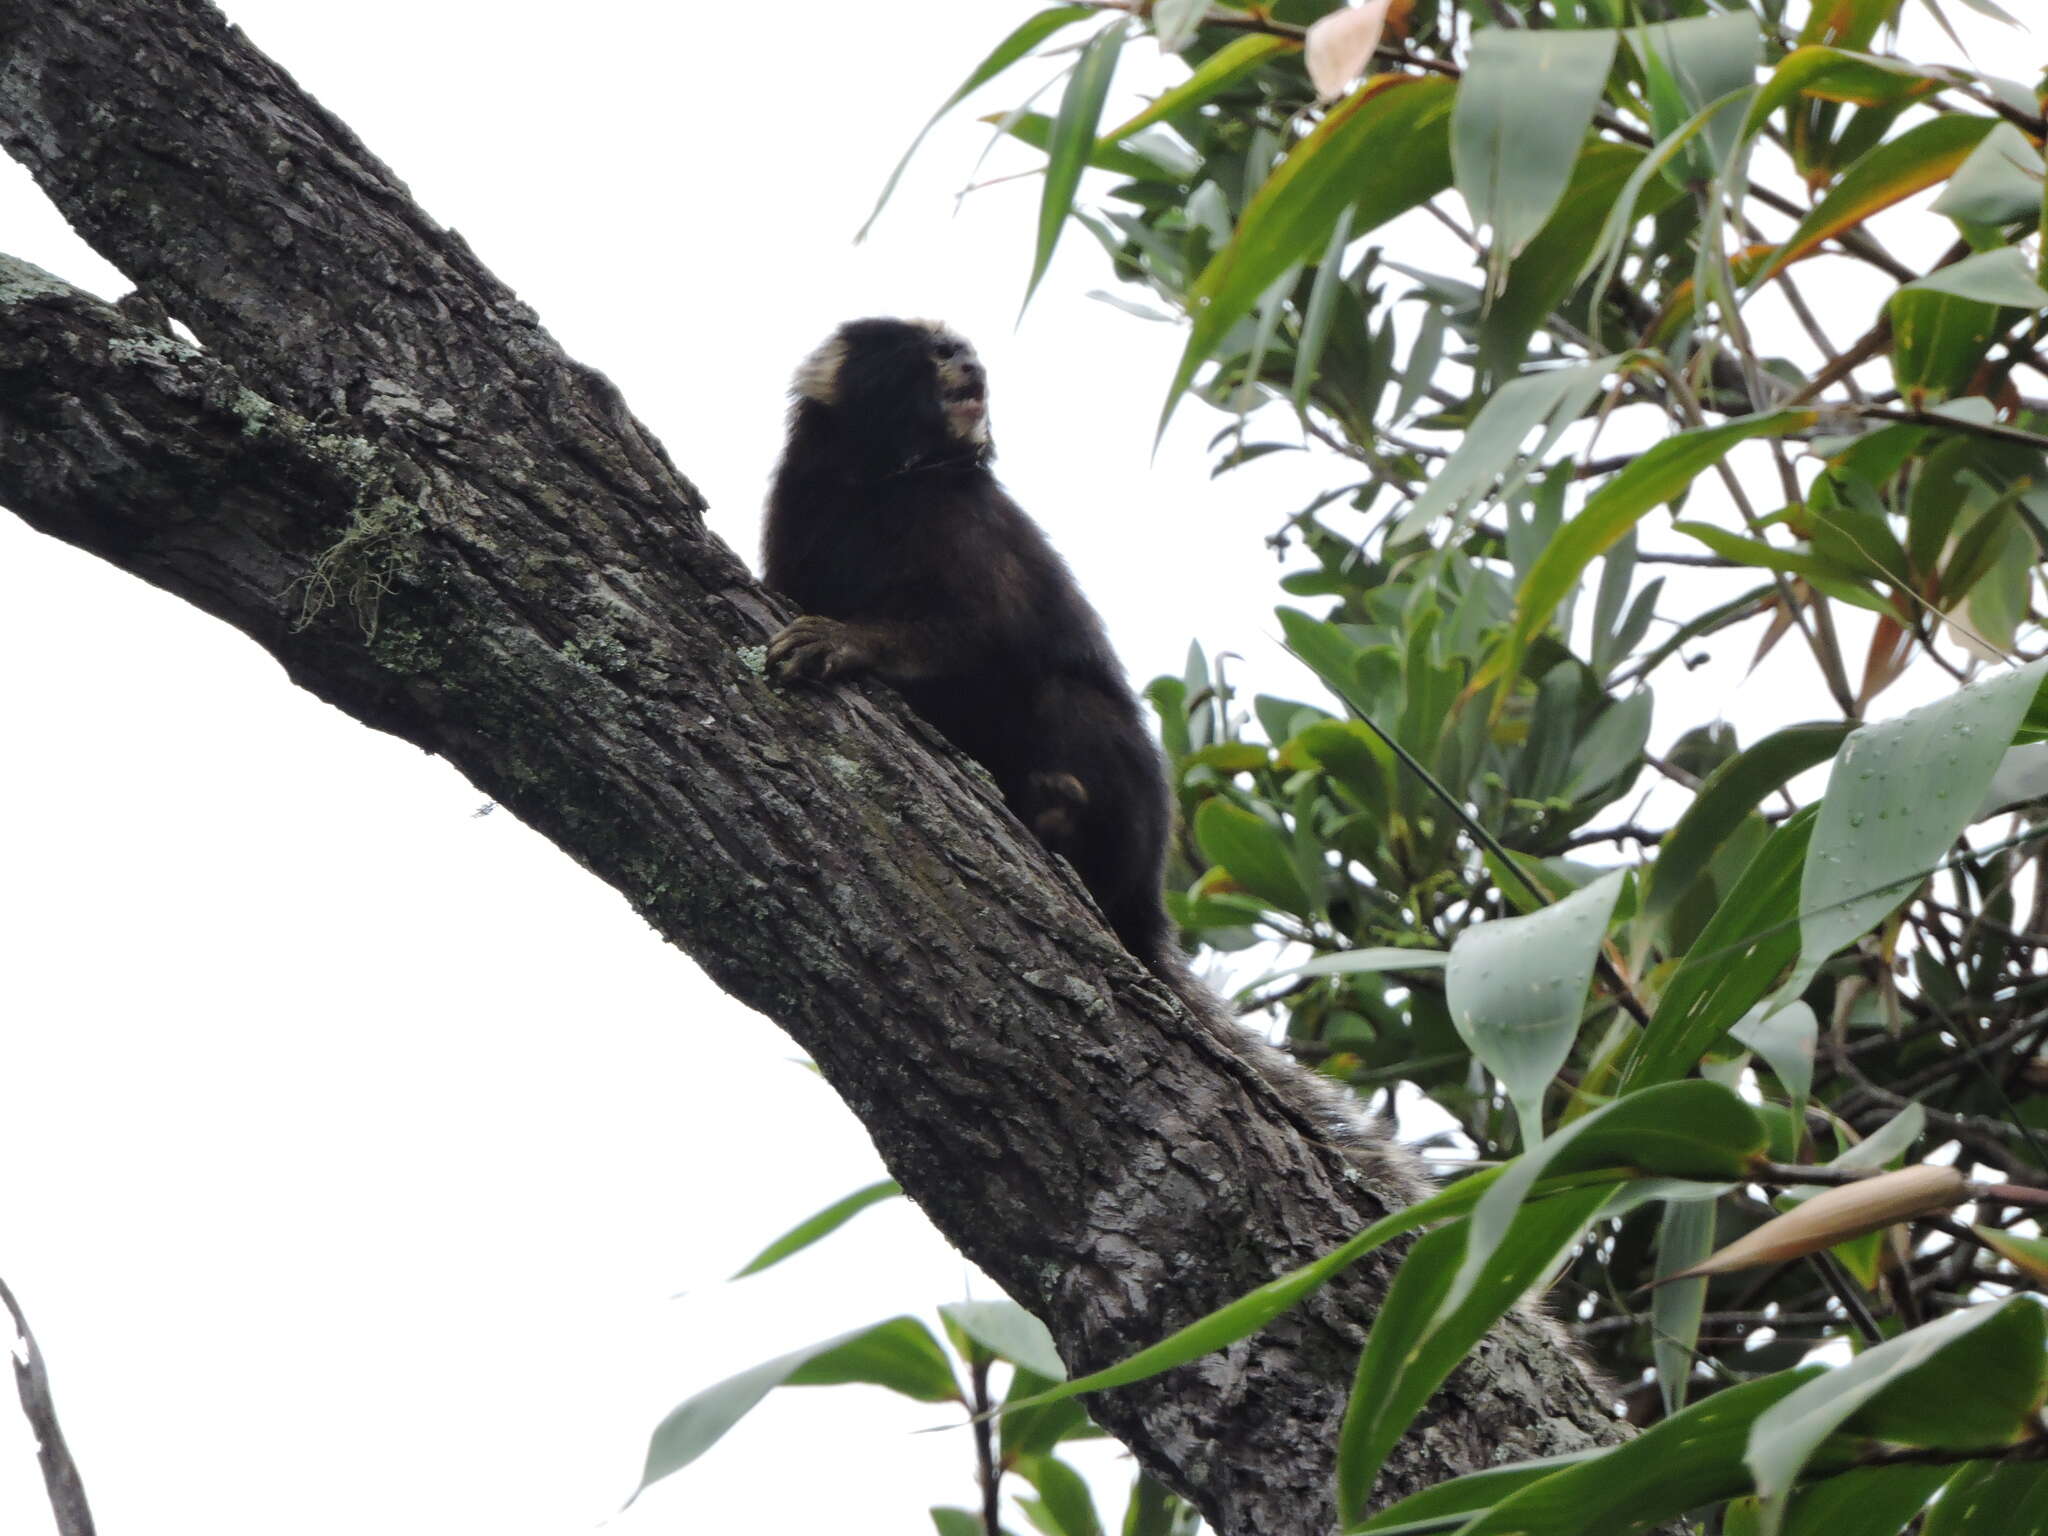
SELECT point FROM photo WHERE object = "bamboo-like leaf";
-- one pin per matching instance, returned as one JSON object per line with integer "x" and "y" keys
{"x": 1490, "y": 450}
{"x": 1901, "y": 792}
{"x": 1685, "y": 1236}
{"x": 1523, "y": 109}
{"x": 1381, "y": 151}
{"x": 1835, "y": 74}
{"x": 1414, "y": 1346}
{"x": 1706, "y": 59}
{"x": 1918, "y": 158}
{"x": 1987, "y": 1359}
{"x": 1999, "y": 183}
{"x": 1008, "y": 1332}
{"x": 1517, "y": 987}
{"x": 1658, "y": 476}
{"x": 1445, "y": 1506}
{"x": 1254, "y": 853}
{"x": 1073, "y": 141}
{"x": 900, "y": 1354}
{"x": 1689, "y": 1460}
{"x": 1730, "y": 793}
{"x": 1751, "y": 938}
{"x": 2001, "y": 276}
{"x": 1027, "y": 36}
{"x": 1786, "y": 1037}
{"x": 1836, "y": 1215}
{"x": 1229, "y": 64}
{"x": 1992, "y": 1499}
{"x": 826, "y": 1222}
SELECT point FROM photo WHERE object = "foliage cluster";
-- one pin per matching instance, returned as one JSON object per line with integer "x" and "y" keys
{"x": 1550, "y": 268}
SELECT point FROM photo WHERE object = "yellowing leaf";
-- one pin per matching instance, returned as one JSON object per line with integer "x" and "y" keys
{"x": 1918, "y": 158}
{"x": 1836, "y": 1215}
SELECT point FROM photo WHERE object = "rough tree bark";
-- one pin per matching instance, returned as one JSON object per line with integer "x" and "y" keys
{"x": 379, "y": 466}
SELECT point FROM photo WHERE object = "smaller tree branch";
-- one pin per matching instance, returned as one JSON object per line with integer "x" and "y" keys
{"x": 60, "y": 1473}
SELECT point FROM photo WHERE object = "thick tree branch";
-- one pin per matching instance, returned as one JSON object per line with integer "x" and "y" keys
{"x": 387, "y": 474}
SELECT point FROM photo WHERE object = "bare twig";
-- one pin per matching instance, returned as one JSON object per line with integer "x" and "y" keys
{"x": 60, "y": 1472}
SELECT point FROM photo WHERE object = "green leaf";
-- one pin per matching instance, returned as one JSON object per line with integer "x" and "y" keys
{"x": 1708, "y": 59}
{"x": 1689, "y": 1130}
{"x": 1458, "y": 1279}
{"x": 1786, "y": 1038}
{"x": 900, "y": 1354}
{"x": 1730, "y": 793}
{"x": 1998, "y": 1499}
{"x": 1321, "y": 311}
{"x": 1028, "y": 36}
{"x": 2001, "y": 276}
{"x": 1140, "y": 162}
{"x": 1435, "y": 1509}
{"x": 1685, "y": 1236}
{"x": 1877, "y": 1501}
{"x": 1216, "y": 74}
{"x": 1381, "y": 151}
{"x": 1985, "y": 1362}
{"x": 1066, "y": 1507}
{"x": 1613, "y": 746}
{"x": 1831, "y": 578}
{"x": 1664, "y": 472}
{"x": 1253, "y": 852}
{"x": 1152, "y": 1509}
{"x": 1900, "y": 793}
{"x": 1073, "y": 141}
{"x": 1244, "y": 1317}
{"x": 1523, "y": 109}
{"x": 1415, "y": 1344}
{"x": 1751, "y": 938}
{"x": 1689, "y": 1460}
{"x": 1008, "y": 1332}
{"x": 1032, "y": 1431}
{"x": 1921, "y": 156}
{"x": 1831, "y": 74}
{"x": 2000, "y": 182}
{"x": 1357, "y": 962}
{"x": 1491, "y": 447}
{"x": 955, "y": 1522}
{"x": 826, "y": 1222}
{"x": 1550, "y": 265}
{"x": 1517, "y": 988}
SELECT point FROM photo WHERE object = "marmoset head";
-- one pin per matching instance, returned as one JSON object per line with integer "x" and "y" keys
{"x": 911, "y": 390}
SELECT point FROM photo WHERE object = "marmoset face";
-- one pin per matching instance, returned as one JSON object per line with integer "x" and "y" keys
{"x": 911, "y": 388}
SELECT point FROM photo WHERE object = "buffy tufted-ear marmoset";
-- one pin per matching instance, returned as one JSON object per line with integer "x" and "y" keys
{"x": 912, "y": 565}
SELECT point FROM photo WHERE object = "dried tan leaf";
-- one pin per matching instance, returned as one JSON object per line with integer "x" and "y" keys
{"x": 1836, "y": 1215}
{"x": 1339, "y": 46}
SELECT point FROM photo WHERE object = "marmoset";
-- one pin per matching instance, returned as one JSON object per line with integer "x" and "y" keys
{"x": 887, "y": 527}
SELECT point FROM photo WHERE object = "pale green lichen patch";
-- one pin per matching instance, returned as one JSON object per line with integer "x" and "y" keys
{"x": 21, "y": 281}
{"x": 754, "y": 658}
{"x": 596, "y": 648}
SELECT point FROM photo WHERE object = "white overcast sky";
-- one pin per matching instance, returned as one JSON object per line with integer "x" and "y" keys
{"x": 356, "y": 1148}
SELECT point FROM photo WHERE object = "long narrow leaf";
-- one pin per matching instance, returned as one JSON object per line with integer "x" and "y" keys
{"x": 1073, "y": 142}
{"x": 1028, "y": 36}
{"x": 1661, "y": 474}
{"x": 826, "y": 1222}
{"x": 1381, "y": 151}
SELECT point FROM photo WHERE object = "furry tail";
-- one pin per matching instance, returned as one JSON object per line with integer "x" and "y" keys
{"x": 1326, "y": 1109}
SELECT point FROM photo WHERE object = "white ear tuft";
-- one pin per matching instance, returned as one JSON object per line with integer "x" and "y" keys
{"x": 817, "y": 377}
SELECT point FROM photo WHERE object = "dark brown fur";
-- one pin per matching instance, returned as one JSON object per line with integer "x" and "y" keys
{"x": 887, "y": 527}
{"x": 912, "y": 565}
